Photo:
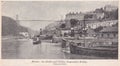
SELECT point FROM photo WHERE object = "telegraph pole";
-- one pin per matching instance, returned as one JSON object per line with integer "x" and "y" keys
{"x": 17, "y": 17}
{"x": 17, "y": 21}
{"x": 40, "y": 31}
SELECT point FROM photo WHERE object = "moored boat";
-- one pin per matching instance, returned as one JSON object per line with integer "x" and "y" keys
{"x": 96, "y": 48}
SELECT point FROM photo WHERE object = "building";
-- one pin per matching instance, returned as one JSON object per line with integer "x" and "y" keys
{"x": 94, "y": 15}
{"x": 94, "y": 25}
{"x": 65, "y": 32}
{"x": 91, "y": 32}
{"x": 109, "y": 32}
{"x": 110, "y": 8}
{"x": 77, "y": 16}
{"x": 25, "y": 34}
{"x": 90, "y": 17}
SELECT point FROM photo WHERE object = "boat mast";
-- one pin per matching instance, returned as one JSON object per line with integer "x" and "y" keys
{"x": 84, "y": 30}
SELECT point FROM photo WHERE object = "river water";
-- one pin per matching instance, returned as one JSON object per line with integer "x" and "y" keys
{"x": 24, "y": 49}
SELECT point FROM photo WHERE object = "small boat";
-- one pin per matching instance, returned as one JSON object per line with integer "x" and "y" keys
{"x": 36, "y": 40}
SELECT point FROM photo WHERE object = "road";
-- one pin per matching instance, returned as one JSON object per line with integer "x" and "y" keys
{"x": 24, "y": 49}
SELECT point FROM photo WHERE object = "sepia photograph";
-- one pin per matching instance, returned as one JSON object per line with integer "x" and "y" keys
{"x": 59, "y": 30}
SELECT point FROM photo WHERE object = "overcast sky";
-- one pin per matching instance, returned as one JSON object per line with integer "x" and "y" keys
{"x": 39, "y": 10}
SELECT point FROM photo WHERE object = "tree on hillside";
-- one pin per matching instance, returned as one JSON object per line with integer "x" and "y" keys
{"x": 73, "y": 22}
{"x": 98, "y": 29}
{"x": 62, "y": 26}
{"x": 11, "y": 27}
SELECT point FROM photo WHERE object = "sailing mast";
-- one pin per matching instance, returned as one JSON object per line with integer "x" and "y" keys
{"x": 84, "y": 31}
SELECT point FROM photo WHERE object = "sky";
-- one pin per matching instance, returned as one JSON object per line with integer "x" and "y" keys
{"x": 48, "y": 10}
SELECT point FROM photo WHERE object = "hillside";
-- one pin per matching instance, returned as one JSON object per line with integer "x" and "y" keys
{"x": 11, "y": 27}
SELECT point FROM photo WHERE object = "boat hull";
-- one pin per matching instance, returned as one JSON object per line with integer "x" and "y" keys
{"x": 93, "y": 51}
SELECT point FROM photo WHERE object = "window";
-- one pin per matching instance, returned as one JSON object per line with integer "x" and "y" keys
{"x": 108, "y": 35}
{"x": 114, "y": 35}
{"x": 101, "y": 35}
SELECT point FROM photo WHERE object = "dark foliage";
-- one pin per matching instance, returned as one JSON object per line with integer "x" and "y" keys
{"x": 62, "y": 26}
{"x": 73, "y": 22}
{"x": 98, "y": 29}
